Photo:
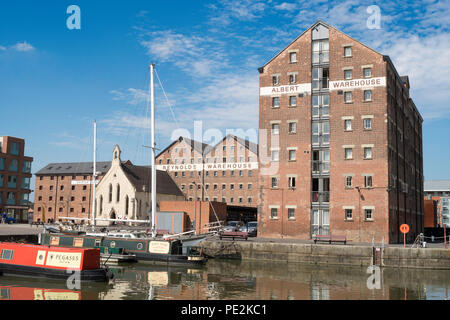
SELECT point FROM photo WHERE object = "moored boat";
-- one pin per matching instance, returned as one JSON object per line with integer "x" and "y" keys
{"x": 157, "y": 251}
{"x": 52, "y": 262}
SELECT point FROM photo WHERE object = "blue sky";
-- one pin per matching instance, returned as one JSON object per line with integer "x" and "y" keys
{"x": 54, "y": 81}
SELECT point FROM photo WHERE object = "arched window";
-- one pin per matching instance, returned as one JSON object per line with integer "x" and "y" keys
{"x": 126, "y": 205}
{"x": 140, "y": 208}
{"x": 110, "y": 192}
{"x": 118, "y": 193}
{"x": 100, "y": 204}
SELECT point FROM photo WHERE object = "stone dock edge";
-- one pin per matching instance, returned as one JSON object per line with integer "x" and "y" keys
{"x": 326, "y": 254}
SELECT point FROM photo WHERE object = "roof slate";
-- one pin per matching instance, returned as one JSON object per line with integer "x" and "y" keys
{"x": 73, "y": 168}
{"x": 140, "y": 177}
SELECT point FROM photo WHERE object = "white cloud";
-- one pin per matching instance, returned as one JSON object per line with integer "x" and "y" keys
{"x": 286, "y": 6}
{"x": 132, "y": 96}
{"x": 228, "y": 10}
{"x": 2, "y": 48}
{"x": 200, "y": 56}
{"x": 425, "y": 60}
{"x": 23, "y": 47}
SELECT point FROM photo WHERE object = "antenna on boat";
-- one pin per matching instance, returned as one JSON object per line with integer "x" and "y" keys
{"x": 94, "y": 175}
{"x": 152, "y": 147}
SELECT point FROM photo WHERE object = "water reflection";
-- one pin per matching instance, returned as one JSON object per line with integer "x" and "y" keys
{"x": 226, "y": 280}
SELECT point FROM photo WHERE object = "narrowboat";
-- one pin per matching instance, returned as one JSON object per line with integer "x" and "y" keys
{"x": 155, "y": 251}
{"x": 51, "y": 262}
{"x": 27, "y": 293}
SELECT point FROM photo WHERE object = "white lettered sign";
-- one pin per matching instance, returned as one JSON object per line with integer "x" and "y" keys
{"x": 209, "y": 166}
{"x": 84, "y": 182}
{"x": 64, "y": 259}
{"x": 161, "y": 247}
{"x": 358, "y": 83}
{"x": 289, "y": 89}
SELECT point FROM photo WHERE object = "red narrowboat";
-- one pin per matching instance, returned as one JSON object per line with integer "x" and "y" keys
{"x": 52, "y": 262}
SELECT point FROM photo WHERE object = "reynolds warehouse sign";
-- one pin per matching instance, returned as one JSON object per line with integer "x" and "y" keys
{"x": 209, "y": 166}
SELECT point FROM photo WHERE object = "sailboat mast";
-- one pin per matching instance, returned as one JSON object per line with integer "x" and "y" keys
{"x": 153, "y": 146}
{"x": 94, "y": 174}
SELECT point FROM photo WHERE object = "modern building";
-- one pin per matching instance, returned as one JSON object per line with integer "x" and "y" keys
{"x": 15, "y": 177}
{"x": 65, "y": 190}
{"x": 439, "y": 191}
{"x": 345, "y": 139}
{"x": 125, "y": 191}
{"x": 228, "y": 171}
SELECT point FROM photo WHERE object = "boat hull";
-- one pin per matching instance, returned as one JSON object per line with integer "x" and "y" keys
{"x": 96, "y": 275}
{"x": 173, "y": 260}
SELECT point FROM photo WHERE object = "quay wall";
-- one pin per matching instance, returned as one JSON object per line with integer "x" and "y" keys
{"x": 325, "y": 254}
{"x": 26, "y": 238}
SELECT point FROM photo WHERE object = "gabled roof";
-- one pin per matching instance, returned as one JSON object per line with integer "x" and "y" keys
{"x": 141, "y": 176}
{"x": 436, "y": 185}
{"x": 195, "y": 145}
{"x": 246, "y": 143}
{"x": 73, "y": 168}
{"x": 311, "y": 27}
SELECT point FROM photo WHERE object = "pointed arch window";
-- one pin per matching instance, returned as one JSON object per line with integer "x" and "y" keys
{"x": 100, "y": 204}
{"x": 126, "y": 205}
{"x": 118, "y": 193}
{"x": 110, "y": 192}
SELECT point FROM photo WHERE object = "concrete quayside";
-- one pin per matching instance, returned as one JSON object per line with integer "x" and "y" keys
{"x": 326, "y": 254}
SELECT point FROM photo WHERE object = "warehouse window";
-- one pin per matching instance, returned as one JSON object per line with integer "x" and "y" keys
{"x": 292, "y": 101}
{"x": 348, "y": 153}
{"x": 275, "y": 80}
{"x": 367, "y": 124}
{"x": 348, "y": 181}
{"x": 368, "y": 214}
{"x": 320, "y": 51}
{"x": 348, "y": 125}
{"x": 293, "y": 57}
{"x": 292, "y": 155}
{"x": 292, "y": 127}
{"x": 320, "y": 78}
{"x": 291, "y": 182}
{"x": 348, "y": 96}
{"x": 368, "y": 181}
{"x": 367, "y": 95}
{"x": 273, "y": 213}
{"x": 275, "y": 102}
{"x": 274, "y": 182}
{"x": 367, "y": 72}
{"x": 348, "y": 74}
{"x": 348, "y": 214}
{"x": 367, "y": 153}
{"x": 275, "y": 128}
{"x": 292, "y": 78}
{"x": 291, "y": 213}
{"x": 347, "y": 51}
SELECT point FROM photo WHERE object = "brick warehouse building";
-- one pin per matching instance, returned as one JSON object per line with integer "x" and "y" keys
{"x": 15, "y": 176}
{"x": 349, "y": 150}
{"x": 228, "y": 171}
{"x": 65, "y": 190}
